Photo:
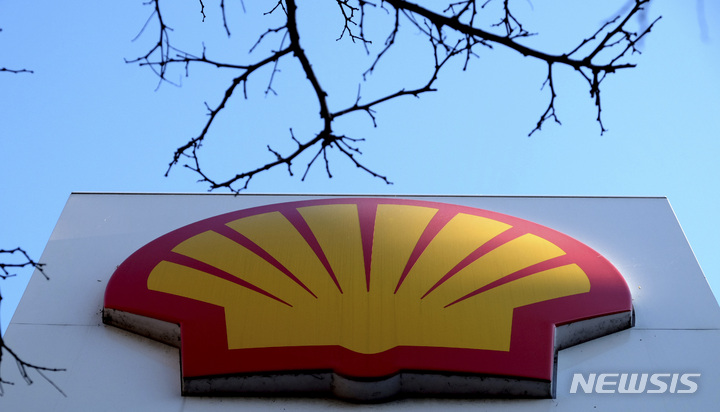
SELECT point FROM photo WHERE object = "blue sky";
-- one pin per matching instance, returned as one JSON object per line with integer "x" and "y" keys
{"x": 87, "y": 121}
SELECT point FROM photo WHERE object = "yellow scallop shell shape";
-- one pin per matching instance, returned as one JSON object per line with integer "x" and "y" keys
{"x": 408, "y": 275}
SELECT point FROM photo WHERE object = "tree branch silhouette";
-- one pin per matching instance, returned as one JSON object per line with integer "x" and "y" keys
{"x": 5, "y": 69}
{"x": 24, "y": 367}
{"x": 451, "y": 29}
{"x": 7, "y": 270}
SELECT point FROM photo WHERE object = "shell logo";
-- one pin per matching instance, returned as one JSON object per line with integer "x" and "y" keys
{"x": 368, "y": 298}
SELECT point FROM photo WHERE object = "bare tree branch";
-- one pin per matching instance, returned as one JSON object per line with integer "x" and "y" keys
{"x": 452, "y": 31}
{"x": 24, "y": 262}
{"x": 7, "y": 270}
{"x": 24, "y": 367}
{"x": 5, "y": 69}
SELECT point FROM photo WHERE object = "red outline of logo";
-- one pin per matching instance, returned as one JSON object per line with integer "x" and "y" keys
{"x": 204, "y": 348}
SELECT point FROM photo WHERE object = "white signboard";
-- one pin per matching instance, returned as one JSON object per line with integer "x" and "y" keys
{"x": 660, "y": 352}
